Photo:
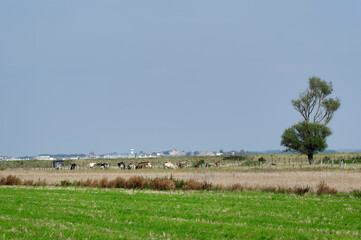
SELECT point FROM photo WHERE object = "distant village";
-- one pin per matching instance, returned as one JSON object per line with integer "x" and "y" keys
{"x": 130, "y": 154}
{"x": 168, "y": 153}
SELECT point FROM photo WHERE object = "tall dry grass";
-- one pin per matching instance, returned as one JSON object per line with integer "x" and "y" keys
{"x": 161, "y": 184}
{"x": 341, "y": 180}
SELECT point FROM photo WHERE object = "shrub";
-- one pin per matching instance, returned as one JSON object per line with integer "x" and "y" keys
{"x": 104, "y": 183}
{"x": 120, "y": 182}
{"x": 28, "y": 182}
{"x": 179, "y": 184}
{"x": 163, "y": 184}
{"x": 261, "y": 160}
{"x": 86, "y": 183}
{"x": 192, "y": 185}
{"x": 95, "y": 183}
{"x": 207, "y": 186}
{"x": 299, "y": 190}
{"x": 136, "y": 182}
{"x": 10, "y": 180}
{"x": 323, "y": 188}
{"x": 65, "y": 183}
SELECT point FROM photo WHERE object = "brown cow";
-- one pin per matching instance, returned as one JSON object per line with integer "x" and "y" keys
{"x": 143, "y": 165}
{"x": 182, "y": 164}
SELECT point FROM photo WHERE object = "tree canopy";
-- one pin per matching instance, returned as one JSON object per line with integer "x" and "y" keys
{"x": 317, "y": 109}
{"x": 306, "y": 138}
{"x": 313, "y": 103}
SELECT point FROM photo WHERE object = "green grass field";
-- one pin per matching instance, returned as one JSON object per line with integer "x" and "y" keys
{"x": 84, "y": 213}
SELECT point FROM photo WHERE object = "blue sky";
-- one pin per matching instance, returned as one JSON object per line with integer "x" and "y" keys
{"x": 104, "y": 76}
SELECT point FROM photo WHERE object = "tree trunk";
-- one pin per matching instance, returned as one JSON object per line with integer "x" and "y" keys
{"x": 310, "y": 158}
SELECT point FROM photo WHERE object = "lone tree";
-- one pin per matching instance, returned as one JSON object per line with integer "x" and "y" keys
{"x": 309, "y": 136}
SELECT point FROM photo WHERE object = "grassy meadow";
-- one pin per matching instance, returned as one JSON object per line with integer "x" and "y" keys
{"x": 88, "y": 213}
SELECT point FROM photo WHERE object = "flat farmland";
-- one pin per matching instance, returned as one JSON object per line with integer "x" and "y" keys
{"x": 86, "y": 213}
{"x": 339, "y": 179}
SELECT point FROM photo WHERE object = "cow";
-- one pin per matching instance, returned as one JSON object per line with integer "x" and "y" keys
{"x": 91, "y": 165}
{"x": 121, "y": 165}
{"x": 143, "y": 165}
{"x": 168, "y": 165}
{"x": 131, "y": 166}
{"x": 58, "y": 167}
{"x": 182, "y": 164}
{"x": 104, "y": 165}
{"x": 72, "y": 166}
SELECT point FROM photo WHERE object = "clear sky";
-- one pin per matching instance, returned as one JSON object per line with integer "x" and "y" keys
{"x": 105, "y": 76}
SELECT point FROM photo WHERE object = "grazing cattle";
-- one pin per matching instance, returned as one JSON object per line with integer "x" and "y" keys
{"x": 131, "y": 166}
{"x": 104, "y": 165}
{"x": 91, "y": 165}
{"x": 121, "y": 165}
{"x": 169, "y": 165}
{"x": 72, "y": 166}
{"x": 58, "y": 167}
{"x": 182, "y": 164}
{"x": 100, "y": 165}
{"x": 58, "y": 164}
{"x": 143, "y": 165}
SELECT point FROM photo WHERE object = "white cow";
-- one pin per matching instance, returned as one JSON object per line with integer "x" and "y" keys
{"x": 169, "y": 165}
{"x": 91, "y": 165}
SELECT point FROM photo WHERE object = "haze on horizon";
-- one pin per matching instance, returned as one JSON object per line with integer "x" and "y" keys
{"x": 104, "y": 76}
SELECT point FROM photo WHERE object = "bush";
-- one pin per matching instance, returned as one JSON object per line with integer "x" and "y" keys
{"x": 300, "y": 190}
{"x": 192, "y": 185}
{"x": 323, "y": 188}
{"x": 86, "y": 183}
{"x": 104, "y": 183}
{"x": 179, "y": 184}
{"x": 120, "y": 182}
{"x": 10, "y": 180}
{"x": 137, "y": 182}
{"x": 29, "y": 183}
{"x": 163, "y": 184}
{"x": 261, "y": 160}
{"x": 65, "y": 183}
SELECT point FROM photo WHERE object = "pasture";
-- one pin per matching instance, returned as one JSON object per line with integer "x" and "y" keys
{"x": 84, "y": 213}
{"x": 271, "y": 161}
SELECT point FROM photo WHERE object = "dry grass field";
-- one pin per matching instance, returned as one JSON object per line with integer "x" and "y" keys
{"x": 340, "y": 179}
{"x": 339, "y": 171}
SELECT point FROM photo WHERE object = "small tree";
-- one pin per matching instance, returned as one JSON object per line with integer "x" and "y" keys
{"x": 306, "y": 138}
{"x": 309, "y": 136}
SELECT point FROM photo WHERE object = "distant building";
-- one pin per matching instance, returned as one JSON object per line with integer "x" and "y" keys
{"x": 44, "y": 158}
